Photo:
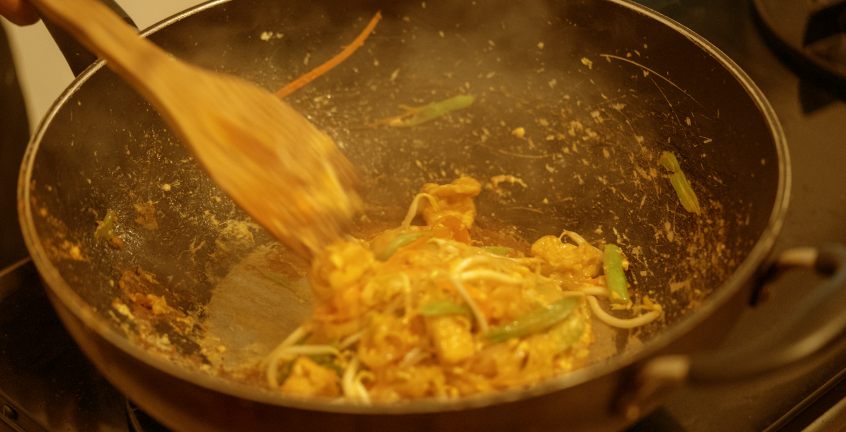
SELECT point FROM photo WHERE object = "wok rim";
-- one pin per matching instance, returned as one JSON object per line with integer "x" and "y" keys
{"x": 722, "y": 294}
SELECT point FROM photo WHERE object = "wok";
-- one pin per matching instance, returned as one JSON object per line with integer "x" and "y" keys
{"x": 601, "y": 88}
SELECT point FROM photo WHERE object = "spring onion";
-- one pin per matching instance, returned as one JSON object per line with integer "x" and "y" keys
{"x": 328, "y": 361}
{"x": 682, "y": 186}
{"x": 615, "y": 277}
{"x": 397, "y": 242}
{"x": 105, "y": 228}
{"x": 535, "y": 321}
{"x": 498, "y": 250}
{"x": 444, "y": 307}
{"x": 418, "y": 115}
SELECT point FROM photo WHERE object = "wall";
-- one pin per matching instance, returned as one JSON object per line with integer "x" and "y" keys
{"x": 42, "y": 71}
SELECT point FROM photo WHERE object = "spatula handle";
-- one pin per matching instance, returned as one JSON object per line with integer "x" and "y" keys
{"x": 106, "y": 34}
{"x": 78, "y": 57}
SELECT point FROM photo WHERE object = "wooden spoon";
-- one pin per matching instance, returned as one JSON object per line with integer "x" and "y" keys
{"x": 270, "y": 159}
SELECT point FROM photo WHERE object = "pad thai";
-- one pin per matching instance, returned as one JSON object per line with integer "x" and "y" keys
{"x": 423, "y": 311}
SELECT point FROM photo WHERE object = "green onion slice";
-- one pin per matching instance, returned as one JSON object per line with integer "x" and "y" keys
{"x": 397, "y": 242}
{"x": 535, "y": 321}
{"x": 683, "y": 188}
{"x": 612, "y": 263}
{"x": 444, "y": 307}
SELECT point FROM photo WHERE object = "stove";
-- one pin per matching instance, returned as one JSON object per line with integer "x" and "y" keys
{"x": 791, "y": 48}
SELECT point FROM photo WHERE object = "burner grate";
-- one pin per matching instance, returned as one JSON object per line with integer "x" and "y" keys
{"x": 810, "y": 34}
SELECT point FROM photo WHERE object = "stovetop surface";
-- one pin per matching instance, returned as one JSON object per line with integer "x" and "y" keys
{"x": 52, "y": 384}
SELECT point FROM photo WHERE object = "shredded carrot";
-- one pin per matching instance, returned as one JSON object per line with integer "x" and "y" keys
{"x": 332, "y": 62}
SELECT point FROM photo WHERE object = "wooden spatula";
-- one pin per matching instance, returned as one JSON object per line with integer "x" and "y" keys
{"x": 270, "y": 159}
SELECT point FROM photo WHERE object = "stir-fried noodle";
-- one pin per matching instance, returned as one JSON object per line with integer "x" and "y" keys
{"x": 420, "y": 311}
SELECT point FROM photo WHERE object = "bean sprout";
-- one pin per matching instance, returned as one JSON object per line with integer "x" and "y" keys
{"x": 350, "y": 340}
{"x": 624, "y": 323}
{"x": 455, "y": 276}
{"x": 412, "y": 209}
{"x": 413, "y": 357}
{"x": 351, "y": 384}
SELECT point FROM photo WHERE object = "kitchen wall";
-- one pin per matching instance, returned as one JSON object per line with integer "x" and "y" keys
{"x": 42, "y": 71}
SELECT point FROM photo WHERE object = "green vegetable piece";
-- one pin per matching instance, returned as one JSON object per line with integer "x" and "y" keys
{"x": 105, "y": 228}
{"x": 612, "y": 263}
{"x": 535, "y": 321}
{"x": 327, "y": 361}
{"x": 685, "y": 193}
{"x": 498, "y": 250}
{"x": 444, "y": 307}
{"x": 397, "y": 242}
{"x": 682, "y": 186}
{"x": 418, "y": 115}
{"x": 669, "y": 161}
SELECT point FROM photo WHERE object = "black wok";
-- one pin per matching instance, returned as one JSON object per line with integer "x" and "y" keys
{"x": 601, "y": 88}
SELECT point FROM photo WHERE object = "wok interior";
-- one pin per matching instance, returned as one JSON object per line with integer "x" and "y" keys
{"x": 600, "y": 90}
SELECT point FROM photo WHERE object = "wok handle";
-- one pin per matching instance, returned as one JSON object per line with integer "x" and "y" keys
{"x": 816, "y": 321}
{"x": 77, "y": 56}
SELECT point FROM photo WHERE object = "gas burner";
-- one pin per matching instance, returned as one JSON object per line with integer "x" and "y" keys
{"x": 811, "y": 34}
